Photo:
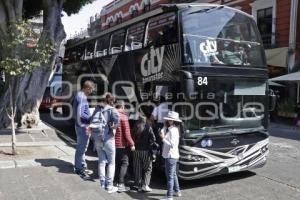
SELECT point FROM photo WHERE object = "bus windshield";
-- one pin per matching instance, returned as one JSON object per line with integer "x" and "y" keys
{"x": 220, "y": 36}
{"x": 226, "y": 104}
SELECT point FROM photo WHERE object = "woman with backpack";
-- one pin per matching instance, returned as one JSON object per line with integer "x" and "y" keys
{"x": 105, "y": 120}
{"x": 144, "y": 139}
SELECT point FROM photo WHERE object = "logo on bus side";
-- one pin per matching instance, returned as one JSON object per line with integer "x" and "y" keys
{"x": 151, "y": 64}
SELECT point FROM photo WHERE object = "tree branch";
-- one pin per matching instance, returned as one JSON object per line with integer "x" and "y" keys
{"x": 18, "y": 4}
{"x": 3, "y": 19}
{"x": 9, "y": 10}
{"x": 9, "y": 116}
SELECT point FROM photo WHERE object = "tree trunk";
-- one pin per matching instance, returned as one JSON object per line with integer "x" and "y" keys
{"x": 12, "y": 118}
{"x": 30, "y": 87}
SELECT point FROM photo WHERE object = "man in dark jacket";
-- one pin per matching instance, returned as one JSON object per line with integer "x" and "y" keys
{"x": 123, "y": 140}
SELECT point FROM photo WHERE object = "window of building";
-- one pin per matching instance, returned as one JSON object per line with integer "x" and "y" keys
{"x": 264, "y": 23}
{"x": 102, "y": 46}
{"x": 162, "y": 30}
{"x": 135, "y": 35}
{"x": 264, "y": 13}
{"x": 117, "y": 41}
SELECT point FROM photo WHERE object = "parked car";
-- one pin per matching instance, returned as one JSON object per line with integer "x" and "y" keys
{"x": 50, "y": 101}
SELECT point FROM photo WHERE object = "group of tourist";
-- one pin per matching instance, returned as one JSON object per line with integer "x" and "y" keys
{"x": 108, "y": 127}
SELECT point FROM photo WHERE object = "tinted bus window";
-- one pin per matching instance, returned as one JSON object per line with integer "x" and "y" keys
{"x": 102, "y": 46}
{"x": 162, "y": 30}
{"x": 135, "y": 37}
{"x": 89, "y": 51}
{"x": 80, "y": 52}
{"x": 117, "y": 41}
{"x": 69, "y": 57}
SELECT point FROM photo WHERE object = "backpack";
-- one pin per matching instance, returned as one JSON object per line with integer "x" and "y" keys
{"x": 98, "y": 122}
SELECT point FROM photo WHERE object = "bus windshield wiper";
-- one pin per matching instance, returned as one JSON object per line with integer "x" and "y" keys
{"x": 216, "y": 132}
{"x": 227, "y": 131}
{"x": 218, "y": 127}
{"x": 247, "y": 130}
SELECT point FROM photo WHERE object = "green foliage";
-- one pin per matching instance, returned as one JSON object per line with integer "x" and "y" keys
{"x": 22, "y": 51}
{"x": 33, "y": 7}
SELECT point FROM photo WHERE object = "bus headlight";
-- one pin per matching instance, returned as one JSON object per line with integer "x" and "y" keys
{"x": 206, "y": 143}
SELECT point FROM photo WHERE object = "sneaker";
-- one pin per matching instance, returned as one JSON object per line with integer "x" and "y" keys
{"x": 177, "y": 194}
{"x": 82, "y": 174}
{"x": 146, "y": 188}
{"x": 88, "y": 171}
{"x": 122, "y": 188}
{"x": 102, "y": 184}
{"x": 112, "y": 189}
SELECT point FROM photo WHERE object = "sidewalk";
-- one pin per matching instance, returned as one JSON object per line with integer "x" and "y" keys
{"x": 32, "y": 144}
{"x": 43, "y": 169}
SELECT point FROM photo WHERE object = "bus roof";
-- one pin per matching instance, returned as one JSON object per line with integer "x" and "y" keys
{"x": 161, "y": 9}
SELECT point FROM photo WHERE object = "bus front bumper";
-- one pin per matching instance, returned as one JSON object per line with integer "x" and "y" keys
{"x": 196, "y": 163}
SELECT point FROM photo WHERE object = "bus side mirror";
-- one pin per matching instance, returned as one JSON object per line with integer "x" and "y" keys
{"x": 189, "y": 88}
{"x": 188, "y": 84}
{"x": 272, "y": 100}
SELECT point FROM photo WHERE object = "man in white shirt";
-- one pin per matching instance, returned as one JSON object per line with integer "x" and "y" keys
{"x": 160, "y": 112}
{"x": 170, "y": 139}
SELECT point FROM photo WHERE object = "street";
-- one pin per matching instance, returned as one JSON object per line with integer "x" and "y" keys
{"x": 278, "y": 179}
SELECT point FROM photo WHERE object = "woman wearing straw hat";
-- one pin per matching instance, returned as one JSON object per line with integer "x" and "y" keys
{"x": 170, "y": 139}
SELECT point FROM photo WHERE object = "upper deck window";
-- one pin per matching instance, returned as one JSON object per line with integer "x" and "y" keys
{"x": 220, "y": 36}
{"x": 89, "y": 49}
{"x": 162, "y": 30}
{"x": 75, "y": 54}
{"x": 135, "y": 36}
{"x": 117, "y": 41}
{"x": 102, "y": 46}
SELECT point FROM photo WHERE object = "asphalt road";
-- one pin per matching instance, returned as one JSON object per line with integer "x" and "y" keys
{"x": 278, "y": 179}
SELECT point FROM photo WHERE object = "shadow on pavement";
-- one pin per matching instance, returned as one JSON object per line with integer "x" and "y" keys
{"x": 67, "y": 167}
{"x": 62, "y": 166}
{"x": 215, "y": 180}
{"x": 283, "y": 131}
{"x": 158, "y": 182}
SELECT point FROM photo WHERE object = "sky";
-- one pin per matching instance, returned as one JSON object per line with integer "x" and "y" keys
{"x": 80, "y": 20}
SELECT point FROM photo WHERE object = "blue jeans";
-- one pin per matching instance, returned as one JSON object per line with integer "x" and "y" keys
{"x": 172, "y": 179}
{"x": 81, "y": 147}
{"x": 106, "y": 156}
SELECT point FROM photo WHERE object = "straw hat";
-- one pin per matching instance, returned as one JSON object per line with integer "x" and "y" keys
{"x": 173, "y": 116}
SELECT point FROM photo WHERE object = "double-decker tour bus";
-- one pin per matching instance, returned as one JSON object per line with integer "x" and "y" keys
{"x": 206, "y": 60}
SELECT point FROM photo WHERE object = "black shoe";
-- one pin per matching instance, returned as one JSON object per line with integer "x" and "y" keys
{"x": 82, "y": 174}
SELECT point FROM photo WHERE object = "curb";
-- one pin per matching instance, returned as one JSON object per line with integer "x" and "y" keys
{"x": 63, "y": 136}
{"x": 34, "y": 163}
{"x": 34, "y": 144}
